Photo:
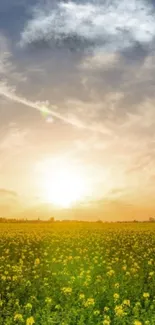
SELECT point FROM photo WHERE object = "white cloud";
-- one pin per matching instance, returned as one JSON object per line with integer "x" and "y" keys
{"x": 14, "y": 138}
{"x": 5, "y": 64}
{"x": 99, "y": 59}
{"x": 12, "y": 141}
{"x": 7, "y": 72}
{"x": 7, "y": 68}
{"x": 43, "y": 107}
{"x": 116, "y": 24}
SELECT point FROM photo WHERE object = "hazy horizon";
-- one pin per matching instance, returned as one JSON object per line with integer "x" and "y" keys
{"x": 14, "y": 206}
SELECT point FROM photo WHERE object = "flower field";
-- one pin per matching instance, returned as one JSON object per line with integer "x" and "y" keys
{"x": 77, "y": 274}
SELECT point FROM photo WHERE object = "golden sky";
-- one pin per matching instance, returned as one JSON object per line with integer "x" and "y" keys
{"x": 80, "y": 91}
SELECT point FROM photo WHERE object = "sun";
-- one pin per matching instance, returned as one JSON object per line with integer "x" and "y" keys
{"x": 63, "y": 184}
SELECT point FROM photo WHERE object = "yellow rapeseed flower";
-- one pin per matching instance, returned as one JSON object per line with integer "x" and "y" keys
{"x": 106, "y": 308}
{"x": 116, "y": 296}
{"x": 30, "y": 321}
{"x": 37, "y": 261}
{"x": 111, "y": 273}
{"x": 48, "y": 300}
{"x": 137, "y": 322}
{"x": 146, "y": 295}
{"x": 106, "y": 322}
{"x": 28, "y": 306}
{"x": 14, "y": 278}
{"x": 3, "y": 277}
{"x": 126, "y": 302}
{"x": 151, "y": 273}
{"x": 18, "y": 317}
{"x": 116, "y": 285}
{"x": 119, "y": 311}
{"x": 96, "y": 312}
{"x": 67, "y": 290}
{"x": 81, "y": 296}
{"x": 89, "y": 302}
{"x": 124, "y": 267}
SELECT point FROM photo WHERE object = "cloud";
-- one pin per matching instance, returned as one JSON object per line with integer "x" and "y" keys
{"x": 71, "y": 119}
{"x": 7, "y": 68}
{"x": 10, "y": 203}
{"x": 13, "y": 138}
{"x": 98, "y": 60}
{"x": 115, "y": 24}
{"x": 5, "y": 64}
{"x": 8, "y": 73}
{"x": 4, "y": 192}
{"x": 12, "y": 141}
{"x": 129, "y": 75}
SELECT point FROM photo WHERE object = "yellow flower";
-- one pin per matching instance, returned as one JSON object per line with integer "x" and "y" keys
{"x": 124, "y": 267}
{"x": 116, "y": 296}
{"x": 3, "y": 277}
{"x": 14, "y": 278}
{"x": 81, "y": 296}
{"x": 96, "y": 312}
{"x": 116, "y": 285}
{"x": 106, "y": 322}
{"x": 126, "y": 302}
{"x": 106, "y": 308}
{"x": 137, "y": 322}
{"x": 37, "y": 261}
{"x": 67, "y": 290}
{"x": 30, "y": 321}
{"x": 111, "y": 272}
{"x": 119, "y": 311}
{"x": 127, "y": 273}
{"x": 48, "y": 300}
{"x": 146, "y": 295}
{"x": 28, "y": 306}
{"x": 151, "y": 273}
{"x": 70, "y": 258}
{"x": 18, "y": 317}
{"x": 89, "y": 302}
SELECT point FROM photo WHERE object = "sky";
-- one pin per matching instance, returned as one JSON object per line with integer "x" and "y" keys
{"x": 77, "y": 83}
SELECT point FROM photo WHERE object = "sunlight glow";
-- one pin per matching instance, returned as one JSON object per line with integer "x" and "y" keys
{"x": 63, "y": 184}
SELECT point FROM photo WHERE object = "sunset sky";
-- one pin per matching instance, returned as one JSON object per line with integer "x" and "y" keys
{"x": 77, "y": 87}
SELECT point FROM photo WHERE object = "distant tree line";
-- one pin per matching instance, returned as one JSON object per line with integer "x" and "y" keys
{"x": 52, "y": 219}
{"x": 24, "y": 220}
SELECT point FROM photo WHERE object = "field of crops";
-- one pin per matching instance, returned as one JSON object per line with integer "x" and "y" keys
{"x": 77, "y": 274}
